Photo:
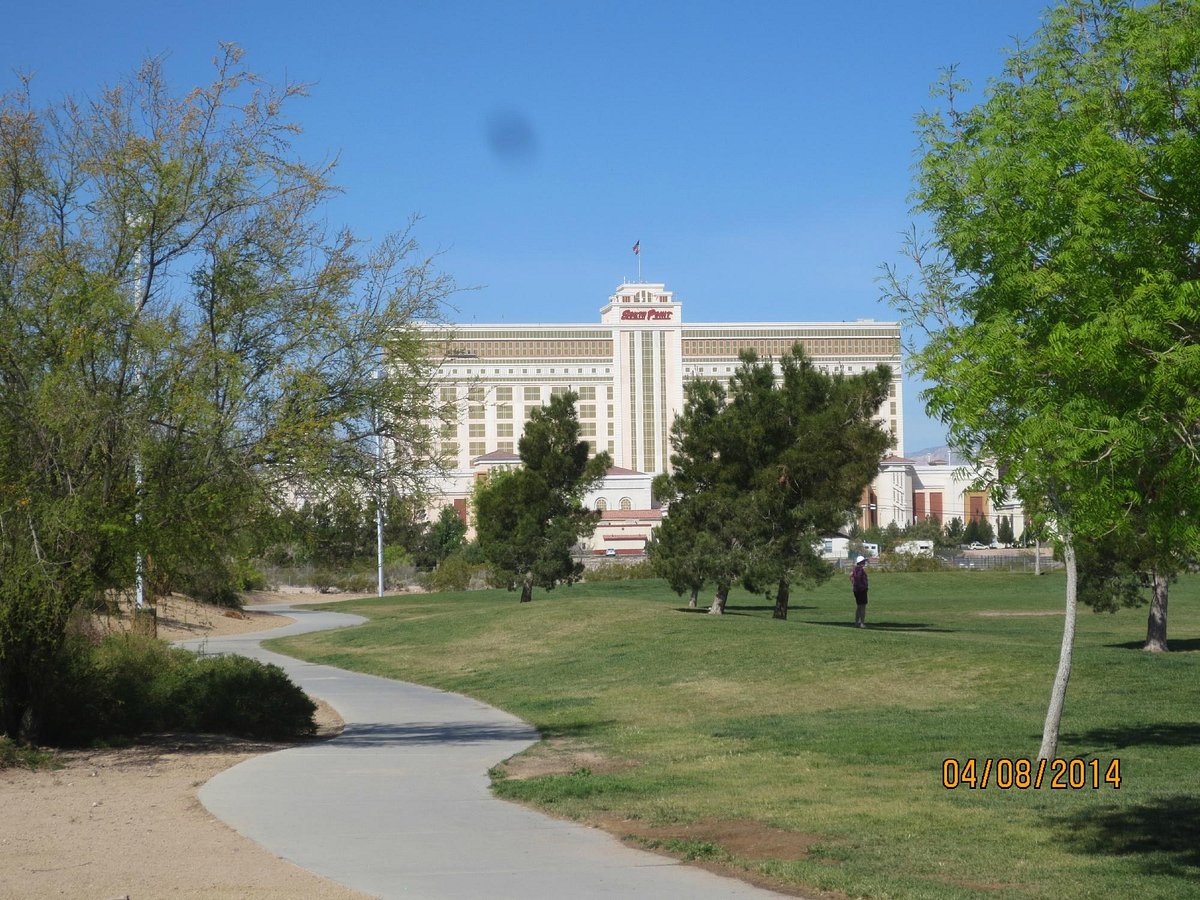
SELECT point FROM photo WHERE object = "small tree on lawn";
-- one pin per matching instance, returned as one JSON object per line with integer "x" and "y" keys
{"x": 1060, "y": 290}
{"x": 529, "y": 520}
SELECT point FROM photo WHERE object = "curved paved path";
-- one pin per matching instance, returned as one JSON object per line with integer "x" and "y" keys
{"x": 398, "y": 805}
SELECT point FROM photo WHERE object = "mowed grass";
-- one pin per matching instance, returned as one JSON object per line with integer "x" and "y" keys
{"x": 816, "y": 727}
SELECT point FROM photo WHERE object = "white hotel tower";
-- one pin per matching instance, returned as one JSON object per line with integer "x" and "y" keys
{"x": 629, "y": 371}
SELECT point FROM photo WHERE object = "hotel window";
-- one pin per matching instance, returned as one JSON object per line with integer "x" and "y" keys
{"x": 449, "y": 395}
{"x": 475, "y": 411}
{"x": 591, "y": 447}
{"x": 587, "y": 410}
{"x": 612, "y": 430}
{"x": 476, "y": 430}
{"x": 626, "y": 503}
{"x": 503, "y": 394}
{"x": 602, "y": 504}
{"x": 529, "y": 412}
{"x": 450, "y": 431}
{"x": 893, "y": 410}
{"x": 587, "y": 393}
{"x": 504, "y": 411}
{"x": 450, "y": 448}
{"x": 533, "y": 394}
{"x": 504, "y": 429}
{"x": 506, "y": 446}
{"x": 477, "y": 448}
{"x": 558, "y": 390}
{"x": 587, "y": 429}
{"x": 475, "y": 394}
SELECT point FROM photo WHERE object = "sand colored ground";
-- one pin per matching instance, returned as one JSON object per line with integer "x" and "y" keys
{"x": 127, "y": 822}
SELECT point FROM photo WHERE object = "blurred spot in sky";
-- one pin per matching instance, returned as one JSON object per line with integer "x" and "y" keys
{"x": 511, "y": 138}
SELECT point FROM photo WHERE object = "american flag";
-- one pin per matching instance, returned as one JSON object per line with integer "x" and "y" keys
{"x": 637, "y": 247}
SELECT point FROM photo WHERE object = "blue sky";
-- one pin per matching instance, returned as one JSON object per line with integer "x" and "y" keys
{"x": 761, "y": 152}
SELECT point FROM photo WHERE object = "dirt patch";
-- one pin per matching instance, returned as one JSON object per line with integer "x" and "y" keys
{"x": 127, "y": 823}
{"x": 559, "y": 756}
{"x": 747, "y": 842}
{"x": 744, "y": 841}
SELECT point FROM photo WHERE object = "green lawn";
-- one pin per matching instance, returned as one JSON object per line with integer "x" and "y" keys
{"x": 812, "y": 726}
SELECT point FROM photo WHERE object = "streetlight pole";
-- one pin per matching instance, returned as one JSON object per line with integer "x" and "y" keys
{"x": 139, "y": 568}
{"x": 378, "y": 491}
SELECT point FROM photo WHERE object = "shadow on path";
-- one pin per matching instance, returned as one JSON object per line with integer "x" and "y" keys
{"x": 375, "y": 734}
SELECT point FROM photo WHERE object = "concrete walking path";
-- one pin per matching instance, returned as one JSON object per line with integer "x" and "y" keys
{"x": 398, "y": 805}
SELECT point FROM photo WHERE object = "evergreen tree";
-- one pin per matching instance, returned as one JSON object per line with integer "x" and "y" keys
{"x": 528, "y": 520}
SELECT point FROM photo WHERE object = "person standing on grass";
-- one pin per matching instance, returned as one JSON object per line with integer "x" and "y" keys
{"x": 858, "y": 582}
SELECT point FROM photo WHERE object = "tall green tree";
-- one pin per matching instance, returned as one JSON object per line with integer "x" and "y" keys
{"x": 812, "y": 445}
{"x": 446, "y": 534}
{"x": 765, "y": 469}
{"x": 1058, "y": 290}
{"x": 529, "y": 520}
{"x": 184, "y": 344}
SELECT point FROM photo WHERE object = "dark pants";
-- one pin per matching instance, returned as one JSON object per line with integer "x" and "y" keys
{"x": 860, "y": 613}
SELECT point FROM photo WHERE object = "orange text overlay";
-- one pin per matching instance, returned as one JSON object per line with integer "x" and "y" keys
{"x": 1005, "y": 774}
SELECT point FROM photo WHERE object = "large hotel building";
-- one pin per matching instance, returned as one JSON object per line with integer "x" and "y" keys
{"x": 629, "y": 371}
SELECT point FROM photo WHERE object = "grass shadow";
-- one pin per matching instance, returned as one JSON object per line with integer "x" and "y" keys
{"x": 1176, "y": 645}
{"x": 1153, "y": 735}
{"x": 922, "y": 627}
{"x": 740, "y": 610}
{"x": 1164, "y": 833}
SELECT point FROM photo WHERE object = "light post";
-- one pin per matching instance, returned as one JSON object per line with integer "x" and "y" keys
{"x": 378, "y": 489}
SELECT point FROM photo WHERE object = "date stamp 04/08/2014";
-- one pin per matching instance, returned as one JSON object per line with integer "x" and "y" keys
{"x": 1006, "y": 773}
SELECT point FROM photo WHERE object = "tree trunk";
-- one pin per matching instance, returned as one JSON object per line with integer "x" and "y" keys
{"x": 1156, "y": 625}
{"x": 526, "y": 590}
{"x": 781, "y": 600}
{"x": 692, "y": 599}
{"x": 718, "y": 604}
{"x": 1058, "y": 693}
{"x": 1037, "y": 557}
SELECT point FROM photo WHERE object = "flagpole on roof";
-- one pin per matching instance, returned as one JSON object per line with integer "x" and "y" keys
{"x": 637, "y": 251}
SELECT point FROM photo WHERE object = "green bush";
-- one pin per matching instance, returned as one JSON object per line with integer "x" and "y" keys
{"x": 456, "y": 573}
{"x": 617, "y": 571}
{"x": 906, "y": 562}
{"x": 241, "y": 697}
{"x": 18, "y": 756}
{"x": 130, "y": 684}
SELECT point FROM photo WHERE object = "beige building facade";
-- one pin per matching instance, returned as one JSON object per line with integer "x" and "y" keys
{"x": 629, "y": 371}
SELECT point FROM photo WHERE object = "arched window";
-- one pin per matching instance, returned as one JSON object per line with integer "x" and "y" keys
{"x": 602, "y": 504}
{"x": 626, "y": 503}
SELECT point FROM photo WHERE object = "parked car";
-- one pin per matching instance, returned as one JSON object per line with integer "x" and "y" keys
{"x": 974, "y": 545}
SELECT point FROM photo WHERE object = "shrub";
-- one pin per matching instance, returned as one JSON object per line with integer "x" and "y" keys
{"x": 619, "y": 571}
{"x": 241, "y": 697}
{"x": 17, "y": 755}
{"x": 454, "y": 573}
{"x": 130, "y": 684}
{"x": 905, "y": 562}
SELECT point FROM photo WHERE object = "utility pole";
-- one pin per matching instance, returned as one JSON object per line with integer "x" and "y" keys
{"x": 379, "y": 493}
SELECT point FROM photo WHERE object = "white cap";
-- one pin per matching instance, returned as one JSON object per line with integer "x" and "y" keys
{"x": 861, "y": 559}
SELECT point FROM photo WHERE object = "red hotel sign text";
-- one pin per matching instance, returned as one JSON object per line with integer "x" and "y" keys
{"x": 643, "y": 314}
